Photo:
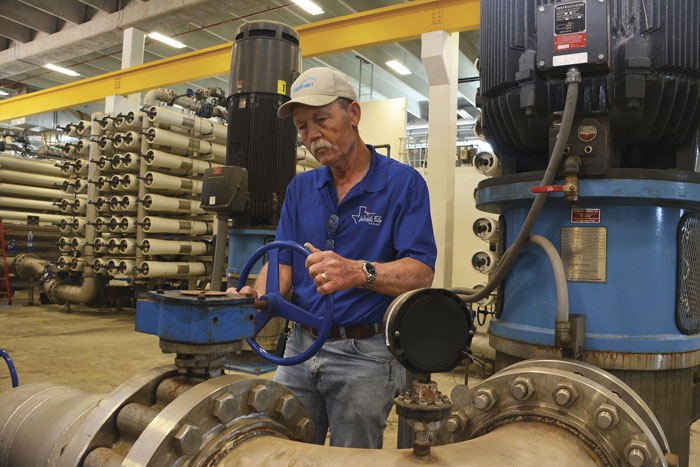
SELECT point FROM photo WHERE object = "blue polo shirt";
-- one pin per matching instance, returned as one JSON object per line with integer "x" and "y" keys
{"x": 384, "y": 217}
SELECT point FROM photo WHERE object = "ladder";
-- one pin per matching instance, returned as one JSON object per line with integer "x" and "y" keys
{"x": 6, "y": 276}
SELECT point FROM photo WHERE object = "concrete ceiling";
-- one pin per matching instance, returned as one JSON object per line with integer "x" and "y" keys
{"x": 86, "y": 36}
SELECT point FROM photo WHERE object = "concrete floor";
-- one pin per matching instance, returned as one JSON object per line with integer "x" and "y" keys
{"x": 97, "y": 349}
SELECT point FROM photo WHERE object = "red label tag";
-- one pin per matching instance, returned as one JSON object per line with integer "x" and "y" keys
{"x": 585, "y": 216}
{"x": 216, "y": 171}
{"x": 570, "y": 41}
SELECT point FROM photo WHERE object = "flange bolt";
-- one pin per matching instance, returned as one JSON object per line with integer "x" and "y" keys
{"x": 484, "y": 399}
{"x": 636, "y": 457}
{"x": 606, "y": 416}
{"x": 457, "y": 422}
{"x": 519, "y": 391}
{"x": 304, "y": 429}
{"x": 604, "y": 419}
{"x": 563, "y": 396}
{"x": 224, "y": 407}
{"x": 259, "y": 398}
{"x": 187, "y": 439}
{"x": 522, "y": 388}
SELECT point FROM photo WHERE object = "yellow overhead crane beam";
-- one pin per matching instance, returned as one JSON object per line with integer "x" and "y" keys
{"x": 395, "y": 23}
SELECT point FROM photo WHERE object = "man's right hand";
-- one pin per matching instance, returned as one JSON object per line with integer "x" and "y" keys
{"x": 245, "y": 290}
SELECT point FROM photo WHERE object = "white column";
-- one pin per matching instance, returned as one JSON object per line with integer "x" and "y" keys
{"x": 440, "y": 55}
{"x": 132, "y": 55}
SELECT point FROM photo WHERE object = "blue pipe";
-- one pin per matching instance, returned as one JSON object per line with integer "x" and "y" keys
{"x": 11, "y": 366}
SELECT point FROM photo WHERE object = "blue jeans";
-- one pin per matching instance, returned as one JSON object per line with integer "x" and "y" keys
{"x": 349, "y": 386}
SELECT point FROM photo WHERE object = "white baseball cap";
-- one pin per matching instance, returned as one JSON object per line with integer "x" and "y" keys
{"x": 317, "y": 87}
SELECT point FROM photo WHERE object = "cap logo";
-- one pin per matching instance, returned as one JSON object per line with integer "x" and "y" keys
{"x": 307, "y": 83}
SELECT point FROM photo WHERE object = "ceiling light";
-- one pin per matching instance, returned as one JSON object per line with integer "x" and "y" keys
{"x": 60, "y": 69}
{"x": 463, "y": 113}
{"x": 3, "y": 93}
{"x": 166, "y": 40}
{"x": 309, "y": 6}
{"x": 398, "y": 67}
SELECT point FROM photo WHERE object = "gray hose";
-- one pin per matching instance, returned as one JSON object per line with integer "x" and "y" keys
{"x": 559, "y": 276}
{"x": 573, "y": 78}
{"x": 219, "y": 252}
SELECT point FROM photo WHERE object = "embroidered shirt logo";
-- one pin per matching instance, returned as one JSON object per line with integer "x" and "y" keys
{"x": 363, "y": 215}
{"x": 307, "y": 83}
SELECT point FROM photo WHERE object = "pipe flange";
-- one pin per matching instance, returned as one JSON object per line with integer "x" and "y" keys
{"x": 51, "y": 289}
{"x": 207, "y": 408}
{"x": 611, "y": 382}
{"x": 99, "y": 425}
{"x": 598, "y": 416}
{"x": 21, "y": 266}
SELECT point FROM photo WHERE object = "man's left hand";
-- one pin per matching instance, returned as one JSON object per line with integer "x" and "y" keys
{"x": 332, "y": 272}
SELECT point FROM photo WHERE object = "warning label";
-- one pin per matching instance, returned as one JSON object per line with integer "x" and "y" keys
{"x": 570, "y": 18}
{"x": 570, "y": 41}
{"x": 585, "y": 216}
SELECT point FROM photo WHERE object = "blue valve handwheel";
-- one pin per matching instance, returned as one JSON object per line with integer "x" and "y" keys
{"x": 47, "y": 273}
{"x": 278, "y": 306}
{"x": 12, "y": 247}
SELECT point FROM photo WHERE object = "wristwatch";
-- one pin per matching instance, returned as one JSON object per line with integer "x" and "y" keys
{"x": 370, "y": 272}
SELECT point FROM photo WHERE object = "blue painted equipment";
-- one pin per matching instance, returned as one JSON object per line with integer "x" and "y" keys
{"x": 11, "y": 367}
{"x": 634, "y": 309}
{"x": 242, "y": 243}
{"x": 195, "y": 318}
{"x": 189, "y": 321}
{"x": 278, "y": 306}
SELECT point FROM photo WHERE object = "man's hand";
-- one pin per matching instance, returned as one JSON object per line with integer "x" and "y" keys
{"x": 331, "y": 272}
{"x": 245, "y": 290}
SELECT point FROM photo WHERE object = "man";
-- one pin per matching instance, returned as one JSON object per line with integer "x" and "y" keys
{"x": 370, "y": 218}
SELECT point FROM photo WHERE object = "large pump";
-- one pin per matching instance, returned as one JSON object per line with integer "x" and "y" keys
{"x": 623, "y": 213}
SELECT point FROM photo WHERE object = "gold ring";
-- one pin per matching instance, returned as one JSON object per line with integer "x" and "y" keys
{"x": 324, "y": 277}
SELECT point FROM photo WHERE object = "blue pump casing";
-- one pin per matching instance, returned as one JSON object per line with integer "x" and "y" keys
{"x": 634, "y": 309}
{"x": 242, "y": 243}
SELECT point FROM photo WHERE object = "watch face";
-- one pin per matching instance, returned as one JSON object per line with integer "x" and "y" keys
{"x": 370, "y": 268}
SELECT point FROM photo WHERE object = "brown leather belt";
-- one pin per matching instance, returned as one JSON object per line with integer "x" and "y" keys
{"x": 359, "y": 331}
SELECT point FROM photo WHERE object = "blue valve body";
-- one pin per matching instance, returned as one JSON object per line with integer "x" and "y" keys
{"x": 175, "y": 317}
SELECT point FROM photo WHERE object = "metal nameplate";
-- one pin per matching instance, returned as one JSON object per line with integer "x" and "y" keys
{"x": 584, "y": 253}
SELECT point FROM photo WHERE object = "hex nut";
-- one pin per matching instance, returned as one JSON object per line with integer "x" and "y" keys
{"x": 304, "y": 429}
{"x": 485, "y": 398}
{"x": 637, "y": 453}
{"x": 187, "y": 439}
{"x": 606, "y": 416}
{"x": 522, "y": 388}
{"x": 287, "y": 406}
{"x": 224, "y": 408}
{"x": 259, "y": 398}
{"x": 457, "y": 422}
{"x": 565, "y": 394}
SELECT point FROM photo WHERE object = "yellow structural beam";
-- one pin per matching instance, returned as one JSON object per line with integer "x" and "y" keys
{"x": 395, "y": 23}
{"x": 366, "y": 29}
{"x": 185, "y": 67}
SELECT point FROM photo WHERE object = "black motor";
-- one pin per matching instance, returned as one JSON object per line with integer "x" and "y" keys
{"x": 265, "y": 61}
{"x": 639, "y": 101}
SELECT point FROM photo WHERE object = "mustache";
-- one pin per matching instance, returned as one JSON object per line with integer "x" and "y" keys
{"x": 320, "y": 144}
